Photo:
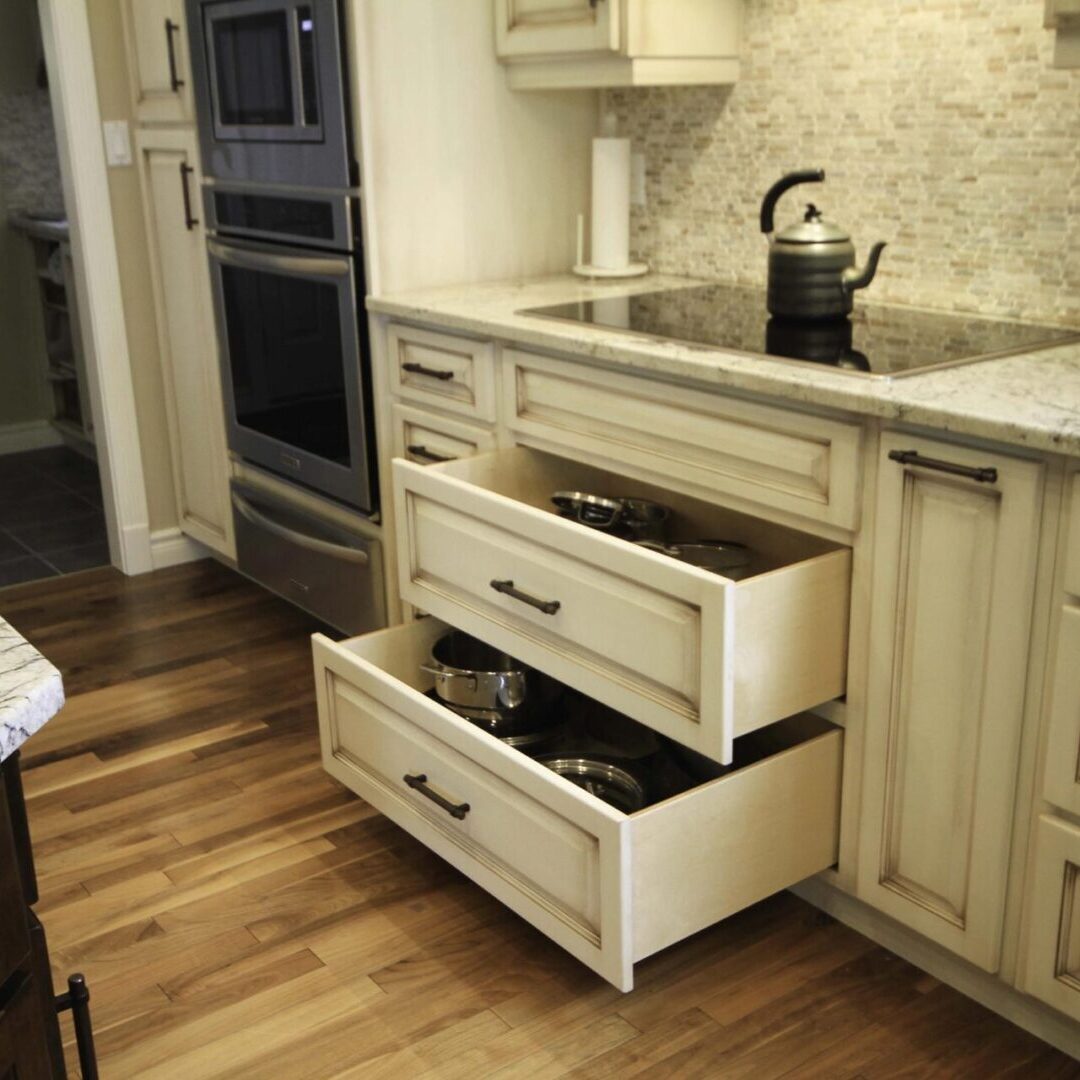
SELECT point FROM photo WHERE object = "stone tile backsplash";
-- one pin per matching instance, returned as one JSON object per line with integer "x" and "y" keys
{"x": 941, "y": 124}
{"x": 29, "y": 166}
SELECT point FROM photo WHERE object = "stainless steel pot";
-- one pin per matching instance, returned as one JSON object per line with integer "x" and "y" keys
{"x": 631, "y": 519}
{"x": 472, "y": 675}
{"x": 812, "y": 271}
{"x": 726, "y": 557}
{"x": 614, "y": 784}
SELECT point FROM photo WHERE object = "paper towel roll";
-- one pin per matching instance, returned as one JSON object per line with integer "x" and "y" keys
{"x": 611, "y": 203}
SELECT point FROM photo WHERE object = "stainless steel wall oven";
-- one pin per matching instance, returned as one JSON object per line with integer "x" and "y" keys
{"x": 287, "y": 289}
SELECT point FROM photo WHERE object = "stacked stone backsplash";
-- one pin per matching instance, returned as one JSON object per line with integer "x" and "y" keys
{"x": 941, "y": 124}
{"x": 29, "y": 165}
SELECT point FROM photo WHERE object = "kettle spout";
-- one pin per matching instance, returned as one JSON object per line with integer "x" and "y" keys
{"x": 859, "y": 277}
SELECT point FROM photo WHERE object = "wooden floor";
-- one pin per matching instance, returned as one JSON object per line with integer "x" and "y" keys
{"x": 238, "y": 914}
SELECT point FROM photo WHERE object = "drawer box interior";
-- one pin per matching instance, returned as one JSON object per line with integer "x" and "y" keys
{"x": 697, "y": 656}
{"x": 611, "y": 887}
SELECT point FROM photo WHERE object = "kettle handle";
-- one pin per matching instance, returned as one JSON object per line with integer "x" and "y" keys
{"x": 772, "y": 196}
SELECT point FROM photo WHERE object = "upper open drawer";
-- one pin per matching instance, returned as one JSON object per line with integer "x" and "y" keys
{"x": 694, "y": 655}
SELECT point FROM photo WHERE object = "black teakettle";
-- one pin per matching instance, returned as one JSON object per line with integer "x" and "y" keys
{"x": 812, "y": 271}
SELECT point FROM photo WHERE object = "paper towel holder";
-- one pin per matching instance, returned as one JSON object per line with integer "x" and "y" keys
{"x": 584, "y": 269}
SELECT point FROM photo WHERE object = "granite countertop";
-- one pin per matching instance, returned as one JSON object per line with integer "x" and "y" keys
{"x": 31, "y": 691}
{"x": 1030, "y": 399}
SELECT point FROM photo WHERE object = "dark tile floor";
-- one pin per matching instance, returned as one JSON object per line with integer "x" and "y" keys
{"x": 51, "y": 520}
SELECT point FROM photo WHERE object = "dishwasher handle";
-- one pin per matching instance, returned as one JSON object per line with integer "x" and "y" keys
{"x": 311, "y": 543}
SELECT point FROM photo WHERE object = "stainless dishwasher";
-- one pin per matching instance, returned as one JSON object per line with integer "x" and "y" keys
{"x": 328, "y": 570}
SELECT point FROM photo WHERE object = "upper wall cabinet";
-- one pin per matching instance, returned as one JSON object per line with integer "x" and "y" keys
{"x": 157, "y": 42}
{"x": 1064, "y": 16}
{"x": 569, "y": 44}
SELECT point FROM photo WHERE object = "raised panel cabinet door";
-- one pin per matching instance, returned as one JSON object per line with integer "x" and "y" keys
{"x": 189, "y": 351}
{"x": 953, "y": 583}
{"x": 556, "y": 27}
{"x": 1062, "y": 781}
{"x": 157, "y": 41}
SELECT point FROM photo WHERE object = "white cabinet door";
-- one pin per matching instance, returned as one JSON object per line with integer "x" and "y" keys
{"x": 188, "y": 344}
{"x": 158, "y": 45}
{"x": 555, "y": 27}
{"x": 954, "y": 568}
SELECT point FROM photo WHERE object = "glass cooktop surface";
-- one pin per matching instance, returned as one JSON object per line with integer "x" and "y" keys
{"x": 875, "y": 341}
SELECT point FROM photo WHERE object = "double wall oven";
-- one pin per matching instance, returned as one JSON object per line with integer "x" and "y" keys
{"x": 285, "y": 244}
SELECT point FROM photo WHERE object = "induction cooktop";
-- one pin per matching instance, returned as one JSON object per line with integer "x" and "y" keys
{"x": 875, "y": 341}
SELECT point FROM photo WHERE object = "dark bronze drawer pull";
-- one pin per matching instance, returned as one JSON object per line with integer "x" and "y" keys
{"x": 548, "y": 607}
{"x": 431, "y": 373}
{"x": 419, "y": 783}
{"x": 423, "y": 452}
{"x": 913, "y": 457}
{"x": 190, "y": 221}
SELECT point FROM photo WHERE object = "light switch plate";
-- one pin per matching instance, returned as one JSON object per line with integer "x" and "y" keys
{"x": 117, "y": 143}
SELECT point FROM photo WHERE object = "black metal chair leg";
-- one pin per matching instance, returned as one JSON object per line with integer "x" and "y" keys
{"x": 77, "y": 1001}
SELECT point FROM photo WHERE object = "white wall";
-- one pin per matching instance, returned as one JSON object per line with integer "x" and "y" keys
{"x": 466, "y": 180}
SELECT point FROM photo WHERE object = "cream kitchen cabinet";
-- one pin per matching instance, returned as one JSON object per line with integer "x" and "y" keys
{"x": 553, "y": 44}
{"x": 954, "y": 569}
{"x": 157, "y": 44}
{"x": 428, "y": 438}
{"x": 611, "y": 888}
{"x": 168, "y": 165}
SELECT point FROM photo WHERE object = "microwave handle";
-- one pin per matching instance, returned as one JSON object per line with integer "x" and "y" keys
{"x": 258, "y": 258}
{"x": 311, "y": 543}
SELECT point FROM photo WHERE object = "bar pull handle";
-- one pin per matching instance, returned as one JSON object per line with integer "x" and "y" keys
{"x": 988, "y": 475}
{"x": 431, "y": 373}
{"x": 548, "y": 607}
{"x": 174, "y": 80}
{"x": 420, "y": 451}
{"x": 419, "y": 783}
{"x": 185, "y": 171}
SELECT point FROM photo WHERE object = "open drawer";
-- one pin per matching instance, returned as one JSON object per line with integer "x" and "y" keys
{"x": 610, "y": 888}
{"x": 693, "y": 655}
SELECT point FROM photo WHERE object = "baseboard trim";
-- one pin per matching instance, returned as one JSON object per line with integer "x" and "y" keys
{"x": 30, "y": 435}
{"x": 999, "y": 997}
{"x": 171, "y": 547}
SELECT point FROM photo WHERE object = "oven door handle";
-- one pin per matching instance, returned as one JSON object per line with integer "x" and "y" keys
{"x": 259, "y": 258}
{"x": 311, "y": 543}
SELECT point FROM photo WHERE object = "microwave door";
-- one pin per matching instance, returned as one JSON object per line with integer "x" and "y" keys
{"x": 263, "y": 71}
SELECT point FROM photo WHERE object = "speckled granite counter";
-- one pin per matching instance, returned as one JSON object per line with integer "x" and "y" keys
{"x": 31, "y": 691}
{"x": 1030, "y": 400}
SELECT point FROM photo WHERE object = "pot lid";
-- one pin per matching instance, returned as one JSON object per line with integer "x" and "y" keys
{"x": 813, "y": 230}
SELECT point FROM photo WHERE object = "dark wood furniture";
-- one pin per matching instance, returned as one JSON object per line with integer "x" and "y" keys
{"x": 30, "y": 1047}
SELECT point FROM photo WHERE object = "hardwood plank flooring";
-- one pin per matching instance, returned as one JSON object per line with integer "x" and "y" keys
{"x": 239, "y": 914}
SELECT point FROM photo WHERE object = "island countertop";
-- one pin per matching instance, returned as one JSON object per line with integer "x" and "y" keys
{"x": 31, "y": 690}
{"x": 1029, "y": 399}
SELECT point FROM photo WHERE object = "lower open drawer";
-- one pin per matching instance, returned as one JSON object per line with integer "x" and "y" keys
{"x": 610, "y": 888}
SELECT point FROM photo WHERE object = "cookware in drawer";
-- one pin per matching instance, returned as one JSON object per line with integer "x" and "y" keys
{"x": 611, "y": 888}
{"x": 427, "y": 438}
{"x": 448, "y": 372}
{"x": 694, "y": 655}
{"x": 703, "y": 444}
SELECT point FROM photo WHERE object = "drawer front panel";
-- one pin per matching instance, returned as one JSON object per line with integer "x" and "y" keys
{"x": 456, "y": 374}
{"x": 1052, "y": 968}
{"x": 544, "y": 848}
{"x": 427, "y": 438}
{"x": 703, "y": 444}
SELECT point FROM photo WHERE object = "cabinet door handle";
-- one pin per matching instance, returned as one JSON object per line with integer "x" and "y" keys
{"x": 185, "y": 171}
{"x": 174, "y": 80}
{"x": 548, "y": 607}
{"x": 419, "y": 783}
{"x": 428, "y": 455}
{"x": 431, "y": 373}
{"x": 988, "y": 475}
